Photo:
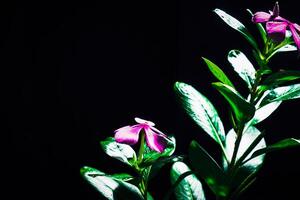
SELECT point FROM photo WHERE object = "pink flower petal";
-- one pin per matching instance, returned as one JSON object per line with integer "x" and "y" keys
{"x": 158, "y": 131}
{"x": 128, "y": 134}
{"x": 260, "y": 17}
{"x": 280, "y": 19}
{"x": 142, "y": 121}
{"x": 295, "y": 36}
{"x": 276, "y": 30}
{"x": 155, "y": 141}
{"x": 297, "y": 27}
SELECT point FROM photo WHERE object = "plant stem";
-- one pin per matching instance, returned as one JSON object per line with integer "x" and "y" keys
{"x": 236, "y": 146}
{"x": 234, "y": 165}
{"x": 142, "y": 148}
{"x": 144, "y": 176}
{"x": 145, "y": 179}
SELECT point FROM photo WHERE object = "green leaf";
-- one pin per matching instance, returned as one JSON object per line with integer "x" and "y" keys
{"x": 201, "y": 110}
{"x": 283, "y": 144}
{"x": 260, "y": 28}
{"x": 149, "y": 196}
{"x": 150, "y": 156}
{"x": 190, "y": 188}
{"x": 237, "y": 25}
{"x": 242, "y": 66}
{"x": 282, "y": 94}
{"x": 110, "y": 187}
{"x": 243, "y": 110}
{"x": 217, "y": 72}
{"x": 281, "y": 77}
{"x": 265, "y": 111}
{"x": 122, "y": 152}
{"x": 118, "y": 176}
{"x": 249, "y": 135}
{"x": 122, "y": 176}
{"x": 286, "y": 48}
{"x": 208, "y": 169}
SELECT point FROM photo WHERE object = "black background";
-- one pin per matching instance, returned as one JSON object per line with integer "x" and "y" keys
{"x": 75, "y": 72}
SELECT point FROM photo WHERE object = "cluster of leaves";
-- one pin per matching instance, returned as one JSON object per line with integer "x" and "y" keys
{"x": 131, "y": 186}
{"x": 243, "y": 147}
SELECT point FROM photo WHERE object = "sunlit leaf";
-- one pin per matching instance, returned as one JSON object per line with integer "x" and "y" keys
{"x": 190, "y": 188}
{"x": 242, "y": 66}
{"x": 249, "y": 135}
{"x": 118, "y": 176}
{"x": 265, "y": 111}
{"x": 287, "y": 47}
{"x": 282, "y": 93}
{"x": 237, "y": 25}
{"x": 217, "y": 72}
{"x": 122, "y": 152}
{"x": 243, "y": 110}
{"x": 110, "y": 187}
{"x": 208, "y": 169}
{"x": 201, "y": 110}
{"x": 283, "y": 144}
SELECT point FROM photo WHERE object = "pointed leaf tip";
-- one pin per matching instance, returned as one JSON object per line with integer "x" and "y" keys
{"x": 217, "y": 72}
{"x": 242, "y": 66}
{"x": 201, "y": 110}
{"x": 237, "y": 25}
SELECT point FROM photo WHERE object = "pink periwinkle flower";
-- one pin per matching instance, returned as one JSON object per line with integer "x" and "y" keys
{"x": 155, "y": 139}
{"x": 276, "y": 26}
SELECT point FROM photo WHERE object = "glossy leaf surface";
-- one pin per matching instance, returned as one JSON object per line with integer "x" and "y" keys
{"x": 286, "y": 48}
{"x": 282, "y": 93}
{"x": 122, "y": 152}
{"x": 201, "y": 110}
{"x": 190, "y": 188}
{"x": 109, "y": 187}
{"x": 249, "y": 136}
{"x": 265, "y": 111}
{"x": 242, "y": 66}
{"x": 237, "y": 25}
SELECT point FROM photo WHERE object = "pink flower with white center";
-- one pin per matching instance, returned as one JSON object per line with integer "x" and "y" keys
{"x": 276, "y": 26}
{"x": 155, "y": 139}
